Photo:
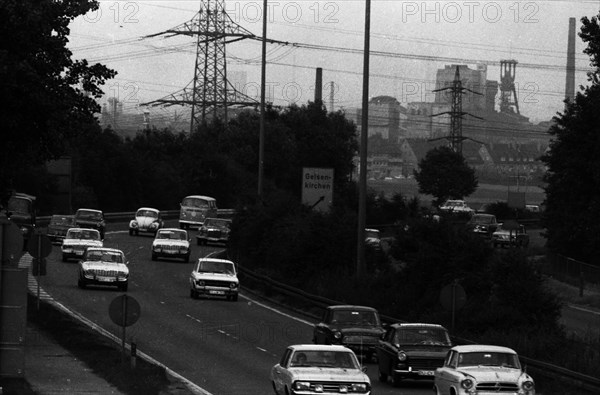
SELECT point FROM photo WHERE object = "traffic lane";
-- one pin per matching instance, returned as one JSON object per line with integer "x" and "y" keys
{"x": 581, "y": 321}
{"x": 224, "y": 347}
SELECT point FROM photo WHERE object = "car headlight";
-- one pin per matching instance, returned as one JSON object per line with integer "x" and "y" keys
{"x": 359, "y": 387}
{"x": 233, "y": 285}
{"x": 528, "y": 385}
{"x": 134, "y": 224}
{"x": 467, "y": 384}
{"x": 200, "y": 283}
{"x": 302, "y": 385}
{"x": 153, "y": 225}
{"x": 337, "y": 334}
{"x": 402, "y": 356}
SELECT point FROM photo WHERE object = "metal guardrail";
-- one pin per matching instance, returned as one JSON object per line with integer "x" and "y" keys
{"x": 578, "y": 380}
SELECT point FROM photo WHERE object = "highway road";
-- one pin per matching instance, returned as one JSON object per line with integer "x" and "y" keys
{"x": 221, "y": 346}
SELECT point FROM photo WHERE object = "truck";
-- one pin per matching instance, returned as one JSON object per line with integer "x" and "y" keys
{"x": 21, "y": 210}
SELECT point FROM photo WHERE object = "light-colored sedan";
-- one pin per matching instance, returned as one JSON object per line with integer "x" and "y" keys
{"x": 147, "y": 220}
{"x": 214, "y": 277}
{"x": 482, "y": 369}
{"x": 171, "y": 243}
{"x": 319, "y": 369}
{"x": 77, "y": 241}
{"x": 103, "y": 266}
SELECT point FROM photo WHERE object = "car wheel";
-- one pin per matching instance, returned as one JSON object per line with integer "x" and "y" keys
{"x": 130, "y": 232}
{"x": 198, "y": 242}
{"x": 81, "y": 284}
{"x": 64, "y": 258}
{"x": 396, "y": 380}
{"x": 137, "y": 232}
{"x": 186, "y": 258}
{"x": 383, "y": 377}
{"x": 153, "y": 256}
{"x": 193, "y": 294}
{"x": 436, "y": 390}
{"x": 123, "y": 288}
{"x": 274, "y": 388}
{"x": 234, "y": 298}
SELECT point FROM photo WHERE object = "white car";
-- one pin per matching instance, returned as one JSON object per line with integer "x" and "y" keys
{"x": 171, "y": 243}
{"x": 456, "y": 206}
{"x": 146, "y": 220}
{"x": 319, "y": 369}
{"x": 103, "y": 266}
{"x": 478, "y": 369}
{"x": 214, "y": 277}
{"x": 77, "y": 240}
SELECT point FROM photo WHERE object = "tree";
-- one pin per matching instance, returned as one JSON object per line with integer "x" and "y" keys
{"x": 445, "y": 174}
{"x": 47, "y": 95}
{"x": 573, "y": 162}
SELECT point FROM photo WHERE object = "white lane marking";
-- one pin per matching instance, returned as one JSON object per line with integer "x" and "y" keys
{"x": 277, "y": 311}
{"x": 583, "y": 309}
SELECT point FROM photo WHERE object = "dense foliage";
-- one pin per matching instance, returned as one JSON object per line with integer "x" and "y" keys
{"x": 445, "y": 174}
{"x": 47, "y": 96}
{"x": 573, "y": 177}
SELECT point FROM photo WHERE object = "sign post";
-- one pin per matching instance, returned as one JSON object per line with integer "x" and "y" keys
{"x": 39, "y": 247}
{"x": 124, "y": 311}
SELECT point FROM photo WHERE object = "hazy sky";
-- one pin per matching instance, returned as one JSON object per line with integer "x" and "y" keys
{"x": 410, "y": 40}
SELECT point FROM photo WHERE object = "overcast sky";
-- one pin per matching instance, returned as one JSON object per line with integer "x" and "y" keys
{"x": 410, "y": 40}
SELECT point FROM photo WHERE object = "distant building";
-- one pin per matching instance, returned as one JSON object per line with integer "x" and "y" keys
{"x": 386, "y": 118}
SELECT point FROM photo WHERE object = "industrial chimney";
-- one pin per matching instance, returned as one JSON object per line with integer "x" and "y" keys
{"x": 570, "y": 81}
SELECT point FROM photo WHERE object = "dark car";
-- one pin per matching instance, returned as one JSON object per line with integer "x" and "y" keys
{"x": 357, "y": 327}
{"x": 89, "y": 218}
{"x": 483, "y": 224}
{"x": 412, "y": 351}
{"x": 510, "y": 235}
{"x": 58, "y": 226}
{"x": 214, "y": 230}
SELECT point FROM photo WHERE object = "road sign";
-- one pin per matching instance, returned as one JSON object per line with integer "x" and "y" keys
{"x": 317, "y": 188}
{"x": 39, "y": 246}
{"x": 124, "y": 310}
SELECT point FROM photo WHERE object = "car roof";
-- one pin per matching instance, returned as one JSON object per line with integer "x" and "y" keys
{"x": 483, "y": 348}
{"x": 350, "y": 307}
{"x": 171, "y": 230}
{"x": 213, "y": 260}
{"x": 200, "y": 197}
{"x": 416, "y": 325}
{"x": 89, "y": 209}
{"x": 79, "y": 228}
{"x": 107, "y": 249}
{"x": 148, "y": 209}
{"x": 318, "y": 347}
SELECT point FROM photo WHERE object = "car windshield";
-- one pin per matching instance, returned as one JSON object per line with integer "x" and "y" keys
{"x": 92, "y": 215}
{"x": 500, "y": 359}
{"x": 372, "y": 233}
{"x": 482, "y": 219}
{"x": 453, "y": 203}
{"x": 363, "y": 317}
{"x": 104, "y": 256}
{"x": 215, "y": 267}
{"x": 83, "y": 234}
{"x": 217, "y": 222}
{"x": 146, "y": 213}
{"x": 57, "y": 220}
{"x": 194, "y": 202}
{"x": 171, "y": 235}
{"x": 422, "y": 335}
{"x": 19, "y": 205}
{"x": 325, "y": 359}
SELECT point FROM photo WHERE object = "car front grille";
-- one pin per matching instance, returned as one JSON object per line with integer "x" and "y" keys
{"x": 364, "y": 339}
{"x": 334, "y": 387}
{"x": 216, "y": 283}
{"x": 498, "y": 386}
{"x": 425, "y": 363}
{"x": 214, "y": 233}
{"x": 108, "y": 273}
{"x": 170, "y": 247}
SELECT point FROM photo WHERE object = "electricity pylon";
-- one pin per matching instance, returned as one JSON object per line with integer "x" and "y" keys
{"x": 209, "y": 92}
{"x": 456, "y": 113}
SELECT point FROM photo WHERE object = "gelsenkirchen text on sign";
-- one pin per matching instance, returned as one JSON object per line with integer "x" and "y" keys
{"x": 317, "y": 188}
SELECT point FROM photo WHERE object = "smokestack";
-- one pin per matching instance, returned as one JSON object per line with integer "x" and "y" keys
{"x": 319, "y": 85}
{"x": 570, "y": 82}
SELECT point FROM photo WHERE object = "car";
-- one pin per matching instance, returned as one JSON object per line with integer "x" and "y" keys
{"x": 103, "y": 266}
{"x": 147, "y": 220}
{"x": 412, "y": 351}
{"x": 356, "y": 327}
{"x": 510, "y": 235}
{"x": 90, "y": 218}
{"x": 214, "y": 230}
{"x": 58, "y": 227}
{"x": 319, "y": 369}
{"x": 77, "y": 241}
{"x": 195, "y": 209}
{"x": 214, "y": 277}
{"x": 483, "y": 224}
{"x": 456, "y": 206}
{"x": 477, "y": 368}
{"x": 171, "y": 243}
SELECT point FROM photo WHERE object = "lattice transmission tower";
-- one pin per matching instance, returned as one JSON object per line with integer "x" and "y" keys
{"x": 456, "y": 113}
{"x": 210, "y": 93}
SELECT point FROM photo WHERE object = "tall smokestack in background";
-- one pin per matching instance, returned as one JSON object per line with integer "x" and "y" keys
{"x": 570, "y": 82}
{"x": 319, "y": 85}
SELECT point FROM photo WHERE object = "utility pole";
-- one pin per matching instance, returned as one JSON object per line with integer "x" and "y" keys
{"x": 263, "y": 72}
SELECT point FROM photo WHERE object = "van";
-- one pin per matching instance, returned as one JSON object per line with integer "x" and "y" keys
{"x": 195, "y": 209}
